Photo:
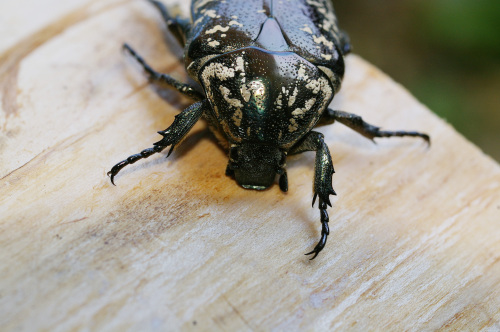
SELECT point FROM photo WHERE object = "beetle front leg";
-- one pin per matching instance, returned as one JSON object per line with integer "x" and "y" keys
{"x": 356, "y": 123}
{"x": 183, "y": 122}
{"x": 156, "y": 77}
{"x": 323, "y": 171}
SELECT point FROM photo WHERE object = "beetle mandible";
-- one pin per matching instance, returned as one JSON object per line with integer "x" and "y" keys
{"x": 268, "y": 71}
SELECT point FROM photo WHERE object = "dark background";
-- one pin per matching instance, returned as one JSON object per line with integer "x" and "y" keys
{"x": 446, "y": 52}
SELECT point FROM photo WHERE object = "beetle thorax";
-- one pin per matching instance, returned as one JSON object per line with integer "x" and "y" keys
{"x": 261, "y": 96}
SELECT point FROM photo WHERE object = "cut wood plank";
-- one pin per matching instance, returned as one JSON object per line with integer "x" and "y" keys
{"x": 415, "y": 231}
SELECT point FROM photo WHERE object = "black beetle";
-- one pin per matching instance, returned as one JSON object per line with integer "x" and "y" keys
{"x": 268, "y": 71}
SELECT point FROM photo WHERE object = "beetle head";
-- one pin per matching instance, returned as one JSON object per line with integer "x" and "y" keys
{"x": 255, "y": 165}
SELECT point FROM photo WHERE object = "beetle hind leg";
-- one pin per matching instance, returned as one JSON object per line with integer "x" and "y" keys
{"x": 323, "y": 172}
{"x": 183, "y": 122}
{"x": 356, "y": 123}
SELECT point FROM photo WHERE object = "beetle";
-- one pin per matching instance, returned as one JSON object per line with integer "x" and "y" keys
{"x": 268, "y": 69}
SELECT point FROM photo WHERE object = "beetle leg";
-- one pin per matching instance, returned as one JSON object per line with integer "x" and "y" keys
{"x": 325, "y": 230}
{"x": 232, "y": 164}
{"x": 323, "y": 171}
{"x": 356, "y": 123}
{"x": 178, "y": 26}
{"x": 283, "y": 181}
{"x": 345, "y": 43}
{"x": 183, "y": 122}
{"x": 156, "y": 77}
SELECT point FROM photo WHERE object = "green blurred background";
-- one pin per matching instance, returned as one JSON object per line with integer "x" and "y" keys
{"x": 446, "y": 52}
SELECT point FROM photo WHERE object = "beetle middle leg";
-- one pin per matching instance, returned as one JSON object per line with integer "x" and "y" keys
{"x": 183, "y": 122}
{"x": 178, "y": 26}
{"x": 323, "y": 171}
{"x": 356, "y": 123}
{"x": 161, "y": 78}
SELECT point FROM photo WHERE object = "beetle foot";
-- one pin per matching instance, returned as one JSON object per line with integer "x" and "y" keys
{"x": 158, "y": 147}
{"x": 383, "y": 133}
{"x": 325, "y": 230}
{"x": 132, "y": 159}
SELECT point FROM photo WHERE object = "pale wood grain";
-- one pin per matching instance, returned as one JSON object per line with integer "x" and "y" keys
{"x": 415, "y": 236}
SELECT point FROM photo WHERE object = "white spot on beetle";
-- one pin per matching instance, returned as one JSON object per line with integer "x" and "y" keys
{"x": 279, "y": 101}
{"x": 231, "y": 101}
{"x": 245, "y": 93}
{"x": 217, "y": 28}
{"x": 299, "y": 112}
{"x": 211, "y": 13}
{"x": 307, "y": 29}
{"x": 240, "y": 64}
{"x": 314, "y": 85}
{"x": 324, "y": 41}
{"x": 328, "y": 73}
{"x": 326, "y": 56}
{"x": 291, "y": 101}
{"x": 199, "y": 20}
{"x": 302, "y": 72}
{"x": 293, "y": 125}
{"x": 216, "y": 70}
{"x": 235, "y": 23}
{"x": 214, "y": 43}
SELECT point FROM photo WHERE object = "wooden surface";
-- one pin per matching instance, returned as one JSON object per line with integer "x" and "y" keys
{"x": 415, "y": 232}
